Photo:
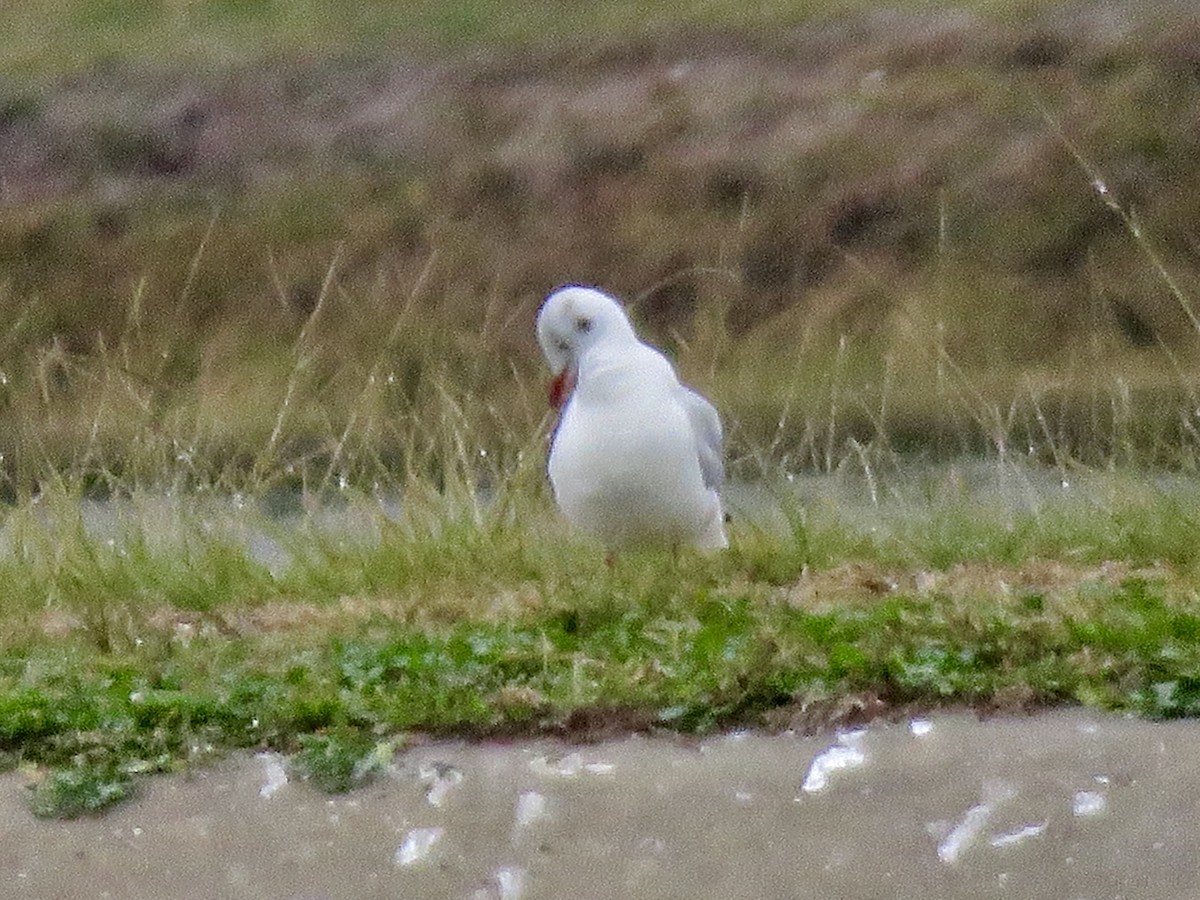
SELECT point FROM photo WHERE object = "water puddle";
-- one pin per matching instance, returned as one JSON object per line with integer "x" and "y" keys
{"x": 1061, "y": 805}
{"x": 277, "y": 529}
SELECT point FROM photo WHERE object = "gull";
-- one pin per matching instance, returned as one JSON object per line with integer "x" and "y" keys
{"x": 636, "y": 457}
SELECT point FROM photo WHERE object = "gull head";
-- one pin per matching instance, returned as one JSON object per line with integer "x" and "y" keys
{"x": 572, "y": 320}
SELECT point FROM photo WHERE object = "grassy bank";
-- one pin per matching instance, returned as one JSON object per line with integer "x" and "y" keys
{"x": 887, "y": 224}
{"x": 45, "y": 37}
{"x": 272, "y": 427}
{"x": 148, "y": 634}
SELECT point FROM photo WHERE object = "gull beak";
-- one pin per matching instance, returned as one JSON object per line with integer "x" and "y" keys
{"x": 561, "y": 387}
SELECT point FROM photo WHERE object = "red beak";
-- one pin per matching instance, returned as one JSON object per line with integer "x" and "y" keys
{"x": 561, "y": 387}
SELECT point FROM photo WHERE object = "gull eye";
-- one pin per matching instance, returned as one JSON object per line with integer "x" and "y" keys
{"x": 583, "y": 324}
{"x": 564, "y": 346}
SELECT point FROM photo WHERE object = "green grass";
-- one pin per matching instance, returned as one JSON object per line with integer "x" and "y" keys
{"x": 272, "y": 433}
{"x": 78, "y": 790}
{"x": 340, "y": 758}
{"x": 45, "y": 37}
{"x": 896, "y": 279}
{"x": 153, "y": 644}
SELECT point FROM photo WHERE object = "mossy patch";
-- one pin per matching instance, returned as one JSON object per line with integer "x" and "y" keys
{"x": 79, "y": 790}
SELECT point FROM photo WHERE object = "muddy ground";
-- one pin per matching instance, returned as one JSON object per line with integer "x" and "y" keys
{"x": 1058, "y": 805}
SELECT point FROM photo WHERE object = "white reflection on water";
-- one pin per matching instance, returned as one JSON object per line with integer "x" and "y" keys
{"x": 846, "y": 753}
{"x": 1087, "y": 803}
{"x": 511, "y": 882}
{"x": 531, "y": 806}
{"x": 974, "y": 820}
{"x": 417, "y": 844}
{"x": 569, "y": 766}
{"x": 1018, "y": 835}
{"x": 275, "y": 774}
{"x": 442, "y": 778}
{"x": 920, "y": 727}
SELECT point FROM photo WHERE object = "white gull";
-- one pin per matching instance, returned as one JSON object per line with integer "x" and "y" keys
{"x": 636, "y": 458}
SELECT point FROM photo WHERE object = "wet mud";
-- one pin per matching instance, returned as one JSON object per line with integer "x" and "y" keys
{"x": 1062, "y": 804}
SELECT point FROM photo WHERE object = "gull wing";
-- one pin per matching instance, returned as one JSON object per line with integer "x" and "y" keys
{"x": 706, "y": 428}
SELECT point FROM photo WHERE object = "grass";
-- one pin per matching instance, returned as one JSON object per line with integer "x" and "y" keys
{"x": 272, "y": 433}
{"x": 263, "y": 258}
{"x": 157, "y": 635}
{"x": 83, "y": 33}
{"x": 340, "y": 758}
{"x": 362, "y": 546}
{"x": 75, "y": 791}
